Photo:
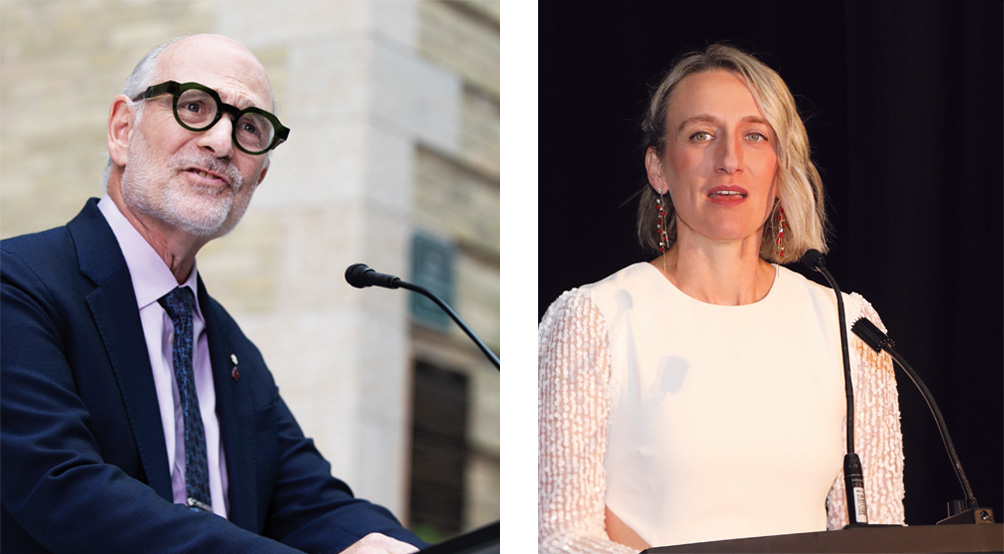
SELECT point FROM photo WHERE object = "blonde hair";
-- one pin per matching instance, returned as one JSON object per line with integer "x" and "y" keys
{"x": 800, "y": 188}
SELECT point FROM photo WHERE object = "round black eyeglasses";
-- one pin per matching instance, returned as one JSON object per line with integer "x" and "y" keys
{"x": 198, "y": 107}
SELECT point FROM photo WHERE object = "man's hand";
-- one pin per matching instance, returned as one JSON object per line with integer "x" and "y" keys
{"x": 377, "y": 543}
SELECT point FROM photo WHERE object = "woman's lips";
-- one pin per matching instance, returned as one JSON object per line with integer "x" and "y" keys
{"x": 727, "y": 195}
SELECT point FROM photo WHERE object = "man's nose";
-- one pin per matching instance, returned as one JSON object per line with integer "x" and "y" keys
{"x": 219, "y": 137}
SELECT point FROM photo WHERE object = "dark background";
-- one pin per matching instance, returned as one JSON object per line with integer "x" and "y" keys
{"x": 903, "y": 105}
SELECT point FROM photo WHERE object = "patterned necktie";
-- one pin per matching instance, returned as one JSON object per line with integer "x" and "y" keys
{"x": 178, "y": 304}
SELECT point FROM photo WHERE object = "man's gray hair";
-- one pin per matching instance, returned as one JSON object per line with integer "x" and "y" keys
{"x": 141, "y": 77}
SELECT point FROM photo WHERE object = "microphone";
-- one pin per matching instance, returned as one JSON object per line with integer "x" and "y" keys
{"x": 875, "y": 338}
{"x": 362, "y": 276}
{"x": 854, "y": 480}
{"x": 814, "y": 260}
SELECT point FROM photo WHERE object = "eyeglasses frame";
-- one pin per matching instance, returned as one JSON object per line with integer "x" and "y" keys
{"x": 176, "y": 89}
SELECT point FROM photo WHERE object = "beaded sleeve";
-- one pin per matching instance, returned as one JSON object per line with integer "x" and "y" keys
{"x": 877, "y": 434}
{"x": 573, "y": 401}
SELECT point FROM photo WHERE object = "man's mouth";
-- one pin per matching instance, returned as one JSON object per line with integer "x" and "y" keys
{"x": 207, "y": 175}
{"x": 209, "y": 172}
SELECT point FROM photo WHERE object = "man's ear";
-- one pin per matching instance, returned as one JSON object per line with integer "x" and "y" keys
{"x": 264, "y": 170}
{"x": 120, "y": 127}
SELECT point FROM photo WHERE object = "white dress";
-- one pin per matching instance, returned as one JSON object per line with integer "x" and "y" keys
{"x": 694, "y": 422}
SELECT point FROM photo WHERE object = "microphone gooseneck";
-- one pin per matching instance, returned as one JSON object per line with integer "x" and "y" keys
{"x": 362, "y": 276}
{"x": 879, "y": 341}
{"x": 857, "y": 513}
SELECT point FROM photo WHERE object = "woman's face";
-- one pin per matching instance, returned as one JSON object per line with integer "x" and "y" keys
{"x": 720, "y": 160}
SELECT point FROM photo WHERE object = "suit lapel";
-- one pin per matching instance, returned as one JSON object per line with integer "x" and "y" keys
{"x": 113, "y": 306}
{"x": 235, "y": 413}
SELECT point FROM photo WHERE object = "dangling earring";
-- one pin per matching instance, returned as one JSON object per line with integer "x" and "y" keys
{"x": 660, "y": 224}
{"x": 660, "y": 227}
{"x": 781, "y": 224}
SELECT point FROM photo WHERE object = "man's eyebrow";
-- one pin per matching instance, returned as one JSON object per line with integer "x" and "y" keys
{"x": 708, "y": 118}
{"x": 242, "y": 102}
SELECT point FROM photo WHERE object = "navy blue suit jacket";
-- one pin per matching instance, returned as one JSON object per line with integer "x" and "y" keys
{"x": 84, "y": 464}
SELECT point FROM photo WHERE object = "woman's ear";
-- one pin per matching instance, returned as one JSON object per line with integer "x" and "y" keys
{"x": 653, "y": 166}
{"x": 120, "y": 127}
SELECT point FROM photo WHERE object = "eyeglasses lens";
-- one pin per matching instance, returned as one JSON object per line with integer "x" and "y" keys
{"x": 197, "y": 110}
{"x": 254, "y": 132}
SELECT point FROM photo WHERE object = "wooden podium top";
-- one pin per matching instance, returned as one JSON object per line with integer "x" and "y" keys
{"x": 914, "y": 538}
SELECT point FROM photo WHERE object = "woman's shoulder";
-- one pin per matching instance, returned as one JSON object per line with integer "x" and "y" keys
{"x": 628, "y": 277}
{"x": 599, "y": 293}
{"x": 861, "y": 308}
{"x": 856, "y": 306}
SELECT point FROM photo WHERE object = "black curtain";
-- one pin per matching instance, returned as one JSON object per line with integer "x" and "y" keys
{"x": 903, "y": 105}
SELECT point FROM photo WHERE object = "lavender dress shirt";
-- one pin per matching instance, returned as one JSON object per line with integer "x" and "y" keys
{"x": 151, "y": 280}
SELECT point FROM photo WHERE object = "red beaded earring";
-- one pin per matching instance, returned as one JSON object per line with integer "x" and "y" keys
{"x": 660, "y": 224}
{"x": 781, "y": 224}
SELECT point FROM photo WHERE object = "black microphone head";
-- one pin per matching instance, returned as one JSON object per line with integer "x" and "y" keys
{"x": 355, "y": 273}
{"x": 871, "y": 334}
{"x": 813, "y": 259}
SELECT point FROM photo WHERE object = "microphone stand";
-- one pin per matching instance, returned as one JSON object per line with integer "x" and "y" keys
{"x": 875, "y": 338}
{"x": 362, "y": 276}
{"x": 854, "y": 480}
{"x": 449, "y": 311}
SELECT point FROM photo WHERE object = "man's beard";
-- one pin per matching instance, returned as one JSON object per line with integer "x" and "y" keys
{"x": 158, "y": 189}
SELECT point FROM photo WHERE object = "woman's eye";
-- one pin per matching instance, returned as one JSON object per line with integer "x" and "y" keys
{"x": 757, "y": 136}
{"x": 701, "y": 136}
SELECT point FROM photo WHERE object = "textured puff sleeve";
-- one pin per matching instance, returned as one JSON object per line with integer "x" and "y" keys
{"x": 877, "y": 435}
{"x": 573, "y": 400}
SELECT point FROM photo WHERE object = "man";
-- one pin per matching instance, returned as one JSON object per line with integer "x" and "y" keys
{"x": 135, "y": 415}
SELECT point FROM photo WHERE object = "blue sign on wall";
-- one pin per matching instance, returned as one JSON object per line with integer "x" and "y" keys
{"x": 432, "y": 262}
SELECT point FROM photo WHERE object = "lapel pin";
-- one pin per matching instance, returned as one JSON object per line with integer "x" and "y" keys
{"x": 235, "y": 374}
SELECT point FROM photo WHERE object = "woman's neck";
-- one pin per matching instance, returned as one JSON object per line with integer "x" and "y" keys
{"x": 729, "y": 274}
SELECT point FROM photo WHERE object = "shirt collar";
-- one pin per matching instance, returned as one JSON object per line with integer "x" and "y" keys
{"x": 151, "y": 277}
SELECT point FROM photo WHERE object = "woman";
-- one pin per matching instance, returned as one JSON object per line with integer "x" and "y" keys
{"x": 700, "y": 396}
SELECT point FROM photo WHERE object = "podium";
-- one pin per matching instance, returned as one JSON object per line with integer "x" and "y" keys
{"x": 484, "y": 540}
{"x": 915, "y": 538}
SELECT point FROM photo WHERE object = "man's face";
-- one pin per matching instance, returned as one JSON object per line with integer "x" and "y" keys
{"x": 196, "y": 182}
